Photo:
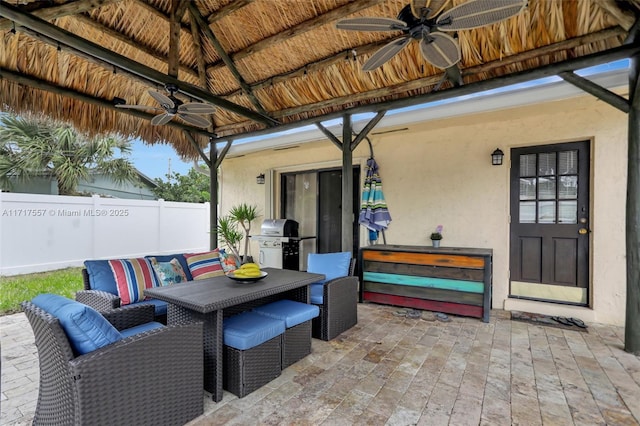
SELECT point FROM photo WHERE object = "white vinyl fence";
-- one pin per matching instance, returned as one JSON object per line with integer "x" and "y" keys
{"x": 48, "y": 232}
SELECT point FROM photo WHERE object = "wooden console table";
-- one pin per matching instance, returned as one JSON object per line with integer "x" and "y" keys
{"x": 454, "y": 280}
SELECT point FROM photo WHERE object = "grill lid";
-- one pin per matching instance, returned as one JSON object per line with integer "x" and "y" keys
{"x": 279, "y": 228}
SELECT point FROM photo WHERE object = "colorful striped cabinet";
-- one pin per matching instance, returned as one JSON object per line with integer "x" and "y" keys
{"x": 447, "y": 279}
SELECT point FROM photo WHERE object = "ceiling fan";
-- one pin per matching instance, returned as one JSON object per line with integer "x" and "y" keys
{"x": 424, "y": 20}
{"x": 171, "y": 106}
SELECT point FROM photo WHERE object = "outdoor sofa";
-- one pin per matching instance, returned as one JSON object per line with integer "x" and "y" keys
{"x": 112, "y": 283}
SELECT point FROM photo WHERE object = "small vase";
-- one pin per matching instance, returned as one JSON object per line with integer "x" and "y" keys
{"x": 436, "y": 243}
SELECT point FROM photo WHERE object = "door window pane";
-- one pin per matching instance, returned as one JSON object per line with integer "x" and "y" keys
{"x": 568, "y": 188}
{"x": 527, "y": 212}
{"x": 547, "y": 188}
{"x": 568, "y": 211}
{"x": 547, "y": 164}
{"x": 547, "y": 212}
{"x": 528, "y": 165}
{"x": 568, "y": 162}
{"x": 527, "y": 188}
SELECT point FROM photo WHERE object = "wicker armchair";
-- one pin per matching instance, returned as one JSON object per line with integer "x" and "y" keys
{"x": 154, "y": 377}
{"x": 339, "y": 309}
{"x": 103, "y": 301}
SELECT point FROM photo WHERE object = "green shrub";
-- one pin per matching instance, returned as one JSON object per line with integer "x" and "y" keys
{"x": 16, "y": 289}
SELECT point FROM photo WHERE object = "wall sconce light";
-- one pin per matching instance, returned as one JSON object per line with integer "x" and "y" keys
{"x": 496, "y": 157}
{"x": 260, "y": 179}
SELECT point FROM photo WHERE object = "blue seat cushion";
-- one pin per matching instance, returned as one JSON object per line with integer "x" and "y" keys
{"x": 249, "y": 329}
{"x": 85, "y": 328}
{"x": 292, "y": 313}
{"x": 317, "y": 293}
{"x": 332, "y": 265}
{"x": 101, "y": 276}
{"x": 160, "y": 305}
{"x": 140, "y": 328}
{"x": 181, "y": 259}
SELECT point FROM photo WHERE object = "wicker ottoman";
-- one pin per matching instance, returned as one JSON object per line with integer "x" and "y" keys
{"x": 252, "y": 352}
{"x": 296, "y": 340}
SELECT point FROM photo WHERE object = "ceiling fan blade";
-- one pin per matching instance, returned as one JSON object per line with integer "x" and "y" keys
{"x": 159, "y": 119}
{"x": 140, "y": 107}
{"x": 385, "y": 53}
{"x": 454, "y": 75}
{"x": 196, "y": 120}
{"x": 196, "y": 108}
{"x": 478, "y": 13}
{"x": 162, "y": 99}
{"x": 417, "y": 6}
{"x": 371, "y": 24}
{"x": 436, "y": 6}
{"x": 440, "y": 49}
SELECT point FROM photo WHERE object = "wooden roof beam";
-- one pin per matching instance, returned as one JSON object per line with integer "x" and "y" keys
{"x": 614, "y": 54}
{"x": 483, "y": 68}
{"x": 301, "y": 28}
{"x": 624, "y": 18}
{"x": 122, "y": 62}
{"x": 599, "y": 92}
{"x": 53, "y": 12}
{"x": 193, "y": 10}
{"x": 83, "y": 19}
{"x": 39, "y": 84}
{"x": 177, "y": 10}
{"x": 224, "y": 11}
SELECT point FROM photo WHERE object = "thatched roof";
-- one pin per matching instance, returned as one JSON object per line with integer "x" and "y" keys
{"x": 274, "y": 62}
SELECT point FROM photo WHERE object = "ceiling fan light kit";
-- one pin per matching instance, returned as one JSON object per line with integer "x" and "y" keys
{"x": 424, "y": 21}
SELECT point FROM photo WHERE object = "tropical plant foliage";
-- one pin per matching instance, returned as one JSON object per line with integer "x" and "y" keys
{"x": 190, "y": 188}
{"x": 32, "y": 146}
{"x": 237, "y": 225}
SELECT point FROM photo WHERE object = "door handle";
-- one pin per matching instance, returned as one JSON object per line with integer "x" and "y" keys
{"x": 583, "y": 231}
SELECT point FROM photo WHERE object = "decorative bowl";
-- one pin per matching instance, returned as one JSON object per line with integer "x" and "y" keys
{"x": 247, "y": 279}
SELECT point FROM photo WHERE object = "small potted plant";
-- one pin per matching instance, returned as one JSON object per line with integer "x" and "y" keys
{"x": 436, "y": 236}
{"x": 236, "y": 226}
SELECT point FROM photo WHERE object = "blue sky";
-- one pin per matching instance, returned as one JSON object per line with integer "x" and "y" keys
{"x": 154, "y": 160}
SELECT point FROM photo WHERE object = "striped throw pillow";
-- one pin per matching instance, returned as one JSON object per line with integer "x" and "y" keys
{"x": 204, "y": 265}
{"x": 132, "y": 277}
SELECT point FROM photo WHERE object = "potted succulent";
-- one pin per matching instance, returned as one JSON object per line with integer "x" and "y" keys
{"x": 235, "y": 226}
{"x": 436, "y": 236}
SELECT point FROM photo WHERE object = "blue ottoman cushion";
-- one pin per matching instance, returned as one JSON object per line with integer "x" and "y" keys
{"x": 249, "y": 329}
{"x": 292, "y": 313}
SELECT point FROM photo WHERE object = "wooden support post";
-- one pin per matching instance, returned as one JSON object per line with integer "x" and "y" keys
{"x": 213, "y": 187}
{"x": 632, "y": 319}
{"x": 347, "y": 184}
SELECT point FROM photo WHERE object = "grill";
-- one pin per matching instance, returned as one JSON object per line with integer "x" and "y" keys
{"x": 279, "y": 244}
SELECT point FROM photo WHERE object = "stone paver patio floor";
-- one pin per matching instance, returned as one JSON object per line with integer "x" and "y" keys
{"x": 402, "y": 371}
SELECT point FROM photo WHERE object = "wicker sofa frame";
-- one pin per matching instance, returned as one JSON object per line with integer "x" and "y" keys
{"x": 103, "y": 301}
{"x": 154, "y": 377}
{"x": 339, "y": 310}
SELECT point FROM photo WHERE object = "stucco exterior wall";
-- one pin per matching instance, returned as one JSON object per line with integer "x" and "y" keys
{"x": 440, "y": 173}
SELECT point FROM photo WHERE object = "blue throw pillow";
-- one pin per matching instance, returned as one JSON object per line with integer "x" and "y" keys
{"x": 101, "y": 276}
{"x": 181, "y": 259}
{"x": 332, "y": 265}
{"x": 86, "y": 329}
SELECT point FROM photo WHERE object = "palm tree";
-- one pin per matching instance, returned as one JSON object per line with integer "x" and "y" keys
{"x": 33, "y": 146}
